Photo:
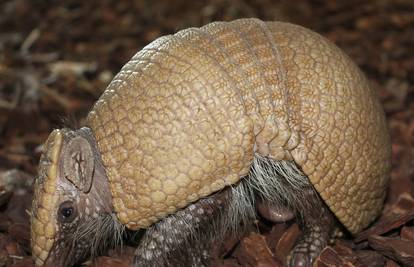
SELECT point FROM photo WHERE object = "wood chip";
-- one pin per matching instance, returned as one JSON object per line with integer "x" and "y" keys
{"x": 253, "y": 250}
{"x": 287, "y": 242}
{"x": 400, "y": 213}
{"x": 407, "y": 232}
{"x": 399, "y": 250}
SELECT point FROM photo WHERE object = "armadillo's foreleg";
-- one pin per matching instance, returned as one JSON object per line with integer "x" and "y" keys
{"x": 183, "y": 238}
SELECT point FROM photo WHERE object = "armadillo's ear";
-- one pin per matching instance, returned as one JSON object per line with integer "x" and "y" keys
{"x": 79, "y": 163}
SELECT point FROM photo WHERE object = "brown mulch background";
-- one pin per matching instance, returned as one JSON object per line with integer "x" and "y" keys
{"x": 56, "y": 58}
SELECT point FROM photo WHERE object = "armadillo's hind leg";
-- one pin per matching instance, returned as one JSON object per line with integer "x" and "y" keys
{"x": 284, "y": 191}
{"x": 184, "y": 238}
{"x": 317, "y": 224}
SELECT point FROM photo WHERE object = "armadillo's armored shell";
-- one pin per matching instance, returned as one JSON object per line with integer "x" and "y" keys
{"x": 185, "y": 116}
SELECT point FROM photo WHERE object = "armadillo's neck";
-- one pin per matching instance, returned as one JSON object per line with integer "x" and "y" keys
{"x": 100, "y": 197}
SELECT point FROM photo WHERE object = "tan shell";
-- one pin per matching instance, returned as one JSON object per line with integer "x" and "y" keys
{"x": 186, "y": 115}
{"x": 43, "y": 229}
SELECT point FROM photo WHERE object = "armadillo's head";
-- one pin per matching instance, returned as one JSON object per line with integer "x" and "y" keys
{"x": 72, "y": 210}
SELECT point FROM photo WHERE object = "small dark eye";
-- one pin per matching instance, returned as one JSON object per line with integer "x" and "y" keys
{"x": 67, "y": 212}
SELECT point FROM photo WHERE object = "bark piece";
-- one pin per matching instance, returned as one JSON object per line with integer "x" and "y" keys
{"x": 400, "y": 213}
{"x": 287, "y": 242}
{"x": 370, "y": 258}
{"x": 275, "y": 234}
{"x": 26, "y": 262}
{"x": 329, "y": 257}
{"x": 21, "y": 233}
{"x": 110, "y": 262}
{"x": 407, "y": 232}
{"x": 397, "y": 249}
{"x": 228, "y": 263}
{"x": 253, "y": 250}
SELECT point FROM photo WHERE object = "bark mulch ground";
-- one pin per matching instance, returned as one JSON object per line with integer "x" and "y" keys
{"x": 56, "y": 58}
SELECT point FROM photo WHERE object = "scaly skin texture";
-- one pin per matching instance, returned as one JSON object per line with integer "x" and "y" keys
{"x": 43, "y": 230}
{"x": 186, "y": 115}
{"x": 186, "y": 237}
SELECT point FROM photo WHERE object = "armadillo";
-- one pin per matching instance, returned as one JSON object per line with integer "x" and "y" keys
{"x": 203, "y": 126}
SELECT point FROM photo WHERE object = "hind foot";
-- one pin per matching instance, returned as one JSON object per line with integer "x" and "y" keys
{"x": 282, "y": 189}
{"x": 309, "y": 247}
{"x": 318, "y": 225}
